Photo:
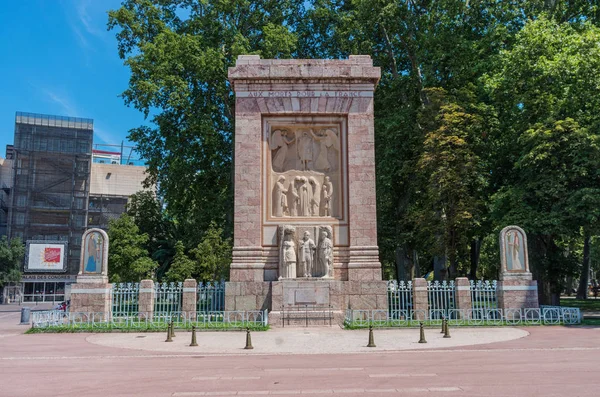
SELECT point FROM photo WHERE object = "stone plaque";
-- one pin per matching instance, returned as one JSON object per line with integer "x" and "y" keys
{"x": 307, "y": 293}
{"x": 305, "y": 296}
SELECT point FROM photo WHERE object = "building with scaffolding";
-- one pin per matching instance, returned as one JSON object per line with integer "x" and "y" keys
{"x": 55, "y": 185}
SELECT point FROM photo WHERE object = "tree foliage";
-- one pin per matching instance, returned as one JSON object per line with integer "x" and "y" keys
{"x": 128, "y": 258}
{"x": 11, "y": 258}
{"x": 486, "y": 114}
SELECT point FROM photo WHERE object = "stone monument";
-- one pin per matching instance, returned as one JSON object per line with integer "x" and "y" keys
{"x": 92, "y": 292}
{"x": 516, "y": 287}
{"x": 305, "y": 227}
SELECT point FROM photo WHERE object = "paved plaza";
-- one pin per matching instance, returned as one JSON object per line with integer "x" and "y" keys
{"x": 529, "y": 361}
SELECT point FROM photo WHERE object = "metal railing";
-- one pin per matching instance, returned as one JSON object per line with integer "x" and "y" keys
{"x": 210, "y": 297}
{"x": 148, "y": 321}
{"x": 125, "y": 299}
{"x": 483, "y": 294}
{"x": 400, "y": 297}
{"x": 441, "y": 297}
{"x": 168, "y": 297}
{"x": 545, "y": 315}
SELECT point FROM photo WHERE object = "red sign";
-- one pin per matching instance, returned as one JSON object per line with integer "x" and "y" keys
{"x": 52, "y": 255}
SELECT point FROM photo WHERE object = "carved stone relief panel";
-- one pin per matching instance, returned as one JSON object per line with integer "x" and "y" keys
{"x": 305, "y": 251}
{"x": 305, "y": 170}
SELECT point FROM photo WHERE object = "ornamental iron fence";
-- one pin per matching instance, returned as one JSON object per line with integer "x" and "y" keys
{"x": 210, "y": 297}
{"x": 168, "y": 297}
{"x": 400, "y": 297}
{"x": 546, "y": 315}
{"x": 483, "y": 294}
{"x": 220, "y": 319}
{"x": 125, "y": 299}
{"x": 442, "y": 298}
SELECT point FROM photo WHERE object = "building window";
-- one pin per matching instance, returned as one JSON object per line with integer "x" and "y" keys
{"x": 21, "y": 200}
{"x": 79, "y": 220}
{"x": 19, "y": 218}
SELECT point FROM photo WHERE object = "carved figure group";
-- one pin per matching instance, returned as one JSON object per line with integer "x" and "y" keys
{"x": 303, "y": 197}
{"x": 311, "y": 260}
{"x": 307, "y": 143}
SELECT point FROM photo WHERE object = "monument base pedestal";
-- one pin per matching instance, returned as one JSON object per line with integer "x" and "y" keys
{"x": 92, "y": 294}
{"x": 517, "y": 292}
{"x": 320, "y": 294}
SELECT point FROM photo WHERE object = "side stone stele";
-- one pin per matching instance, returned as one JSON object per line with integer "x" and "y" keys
{"x": 304, "y": 191}
{"x": 516, "y": 288}
{"x": 92, "y": 292}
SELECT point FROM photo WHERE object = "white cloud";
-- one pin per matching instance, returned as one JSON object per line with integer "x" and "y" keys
{"x": 105, "y": 136}
{"x": 66, "y": 106}
{"x": 86, "y": 20}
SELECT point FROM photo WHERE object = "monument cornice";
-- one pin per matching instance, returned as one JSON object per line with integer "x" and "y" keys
{"x": 356, "y": 70}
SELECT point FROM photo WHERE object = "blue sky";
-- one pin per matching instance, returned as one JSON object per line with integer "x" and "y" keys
{"x": 56, "y": 57}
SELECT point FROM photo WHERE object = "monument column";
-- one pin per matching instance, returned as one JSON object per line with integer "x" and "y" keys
{"x": 305, "y": 230}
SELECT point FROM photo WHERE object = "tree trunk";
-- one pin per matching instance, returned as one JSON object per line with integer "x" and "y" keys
{"x": 416, "y": 267}
{"x": 401, "y": 264}
{"x": 582, "y": 291}
{"x": 439, "y": 268}
{"x": 475, "y": 250}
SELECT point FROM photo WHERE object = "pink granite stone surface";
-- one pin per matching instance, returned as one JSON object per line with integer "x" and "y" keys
{"x": 267, "y": 88}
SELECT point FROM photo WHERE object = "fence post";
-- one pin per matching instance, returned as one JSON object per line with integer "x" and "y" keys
{"x": 146, "y": 299}
{"x": 463, "y": 296}
{"x": 188, "y": 304}
{"x": 420, "y": 299}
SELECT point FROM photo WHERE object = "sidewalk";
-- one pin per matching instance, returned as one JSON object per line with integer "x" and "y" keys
{"x": 317, "y": 340}
{"x": 33, "y": 306}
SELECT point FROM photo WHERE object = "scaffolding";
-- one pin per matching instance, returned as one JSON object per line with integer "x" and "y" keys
{"x": 105, "y": 207}
{"x": 51, "y": 170}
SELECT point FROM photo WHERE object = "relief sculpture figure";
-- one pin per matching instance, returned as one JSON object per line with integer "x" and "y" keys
{"x": 281, "y": 204}
{"x": 305, "y": 149}
{"x": 287, "y": 254}
{"x": 325, "y": 254}
{"x": 315, "y": 197}
{"x": 305, "y": 197}
{"x": 295, "y": 199}
{"x": 327, "y": 196}
{"x": 279, "y": 145}
{"x": 514, "y": 248}
{"x": 328, "y": 139}
{"x": 306, "y": 252}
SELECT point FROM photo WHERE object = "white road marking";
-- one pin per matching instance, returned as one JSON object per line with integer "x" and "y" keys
{"x": 399, "y": 375}
{"x": 395, "y": 352}
{"x": 226, "y": 377}
{"x": 320, "y": 391}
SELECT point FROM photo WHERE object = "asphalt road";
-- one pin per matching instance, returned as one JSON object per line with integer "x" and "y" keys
{"x": 551, "y": 361}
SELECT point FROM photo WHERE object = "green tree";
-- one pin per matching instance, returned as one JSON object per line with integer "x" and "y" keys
{"x": 178, "y": 53}
{"x": 128, "y": 259}
{"x": 11, "y": 259}
{"x": 555, "y": 195}
{"x": 453, "y": 179}
{"x": 546, "y": 82}
{"x": 182, "y": 266}
{"x": 212, "y": 255}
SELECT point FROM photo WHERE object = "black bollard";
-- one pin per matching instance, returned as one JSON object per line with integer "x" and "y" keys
{"x": 422, "y": 334}
{"x": 172, "y": 329}
{"x": 169, "y": 338}
{"x": 194, "y": 343}
{"x": 248, "y": 340}
{"x": 447, "y": 331}
{"x": 371, "y": 339}
{"x": 443, "y": 325}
